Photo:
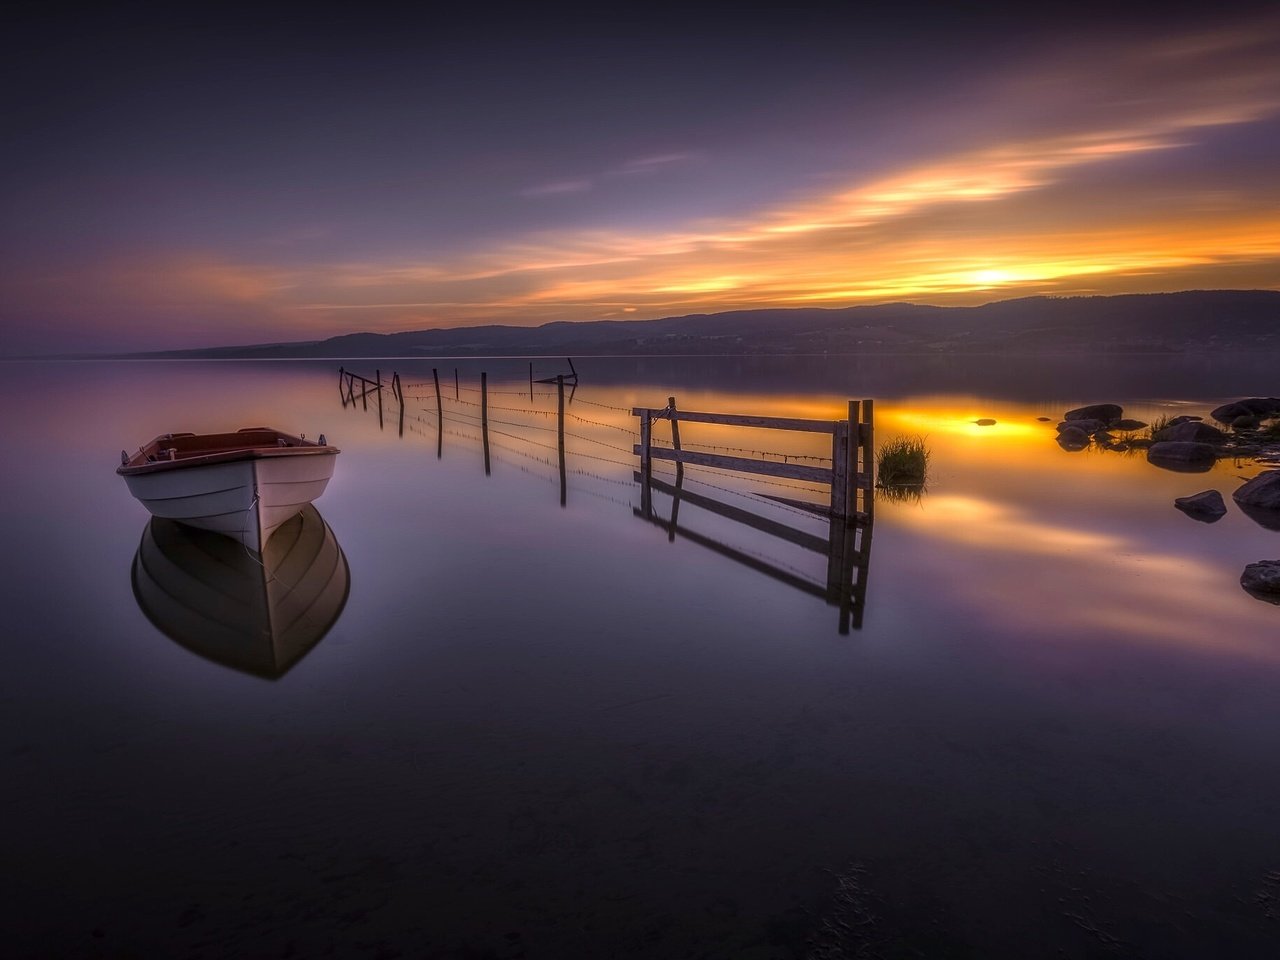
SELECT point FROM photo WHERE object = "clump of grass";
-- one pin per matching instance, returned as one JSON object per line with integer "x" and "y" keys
{"x": 1272, "y": 430}
{"x": 1158, "y": 424}
{"x": 902, "y": 462}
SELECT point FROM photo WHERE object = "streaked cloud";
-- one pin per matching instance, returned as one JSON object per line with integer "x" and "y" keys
{"x": 1105, "y": 168}
{"x": 557, "y": 188}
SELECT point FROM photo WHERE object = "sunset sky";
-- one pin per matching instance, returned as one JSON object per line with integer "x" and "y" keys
{"x": 173, "y": 180}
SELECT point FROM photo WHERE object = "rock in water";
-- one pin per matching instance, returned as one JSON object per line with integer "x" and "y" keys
{"x": 1084, "y": 426}
{"x": 1182, "y": 455}
{"x": 1262, "y": 491}
{"x": 1250, "y": 407}
{"x": 1044, "y": 419}
{"x": 1262, "y": 580}
{"x": 1106, "y": 412}
{"x": 1128, "y": 425}
{"x": 1193, "y": 431}
{"x": 985, "y": 422}
{"x": 1207, "y": 507}
{"x": 1182, "y": 419}
{"x": 1259, "y": 499}
{"x": 1072, "y": 439}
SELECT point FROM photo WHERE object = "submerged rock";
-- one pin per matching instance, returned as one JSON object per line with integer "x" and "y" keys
{"x": 1262, "y": 580}
{"x": 1193, "y": 431}
{"x": 1207, "y": 507}
{"x": 1259, "y": 499}
{"x": 1182, "y": 419}
{"x": 985, "y": 422}
{"x": 1182, "y": 455}
{"x": 1249, "y": 407}
{"x": 1262, "y": 491}
{"x": 1084, "y": 426}
{"x": 1045, "y": 419}
{"x": 1096, "y": 411}
{"x": 1072, "y": 439}
{"x": 1127, "y": 425}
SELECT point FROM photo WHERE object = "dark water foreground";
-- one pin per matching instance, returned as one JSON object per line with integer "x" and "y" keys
{"x": 545, "y": 731}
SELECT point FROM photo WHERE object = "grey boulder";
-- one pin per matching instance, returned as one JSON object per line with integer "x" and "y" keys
{"x": 1249, "y": 407}
{"x": 1084, "y": 426}
{"x": 1182, "y": 455}
{"x": 1262, "y": 491}
{"x": 1262, "y": 580}
{"x": 1194, "y": 431}
{"x": 1259, "y": 499}
{"x": 1207, "y": 507}
{"x": 1105, "y": 412}
{"x": 1072, "y": 439}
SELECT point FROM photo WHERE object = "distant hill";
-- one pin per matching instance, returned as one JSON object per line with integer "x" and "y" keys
{"x": 1148, "y": 323}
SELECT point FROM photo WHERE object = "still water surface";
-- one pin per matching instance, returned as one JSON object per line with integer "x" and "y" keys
{"x": 538, "y": 730}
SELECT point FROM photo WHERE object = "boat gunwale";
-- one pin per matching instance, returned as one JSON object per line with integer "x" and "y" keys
{"x": 138, "y": 465}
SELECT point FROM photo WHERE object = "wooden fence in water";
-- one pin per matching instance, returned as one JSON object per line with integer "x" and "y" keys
{"x": 850, "y": 475}
{"x": 848, "y": 506}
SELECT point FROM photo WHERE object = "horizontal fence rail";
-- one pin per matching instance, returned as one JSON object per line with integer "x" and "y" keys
{"x": 849, "y": 476}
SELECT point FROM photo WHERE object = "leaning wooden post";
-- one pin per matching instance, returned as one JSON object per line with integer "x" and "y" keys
{"x": 559, "y": 433}
{"x": 456, "y": 395}
{"x": 851, "y": 473}
{"x": 398, "y": 390}
{"x": 867, "y": 435}
{"x": 484, "y": 417}
{"x": 675, "y": 436}
{"x": 435, "y": 375}
{"x": 378, "y": 374}
{"x": 646, "y": 432}
{"x": 840, "y": 469}
{"x": 341, "y": 396}
{"x": 531, "y": 381}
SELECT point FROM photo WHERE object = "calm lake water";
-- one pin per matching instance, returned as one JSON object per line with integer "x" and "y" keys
{"x": 538, "y": 730}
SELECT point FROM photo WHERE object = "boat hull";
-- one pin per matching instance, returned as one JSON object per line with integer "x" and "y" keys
{"x": 246, "y": 500}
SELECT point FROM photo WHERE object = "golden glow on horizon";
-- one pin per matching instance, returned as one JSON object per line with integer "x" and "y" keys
{"x": 1056, "y": 202}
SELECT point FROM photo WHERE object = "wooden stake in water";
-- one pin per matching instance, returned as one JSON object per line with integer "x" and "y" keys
{"x": 675, "y": 438}
{"x": 484, "y": 417}
{"x": 559, "y": 432}
{"x": 435, "y": 375}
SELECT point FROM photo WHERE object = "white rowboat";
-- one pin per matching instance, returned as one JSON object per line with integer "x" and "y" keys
{"x": 243, "y": 484}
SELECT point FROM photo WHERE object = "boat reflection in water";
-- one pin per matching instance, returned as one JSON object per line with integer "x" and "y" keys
{"x": 209, "y": 594}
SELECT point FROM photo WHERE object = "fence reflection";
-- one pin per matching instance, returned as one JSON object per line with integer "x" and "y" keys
{"x": 847, "y": 546}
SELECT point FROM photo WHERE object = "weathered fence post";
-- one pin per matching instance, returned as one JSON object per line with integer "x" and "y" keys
{"x": 839, "y": 468}
{"x": 646, "y": 453}
{"x": 531, "y": 381}
{"x": 456, "y": 395}
{"x": 341, "y": 396}
{"x": 484, "y": 417}
{"x": 435, "y": 375}
{"x": 867, "y": 478}
{"x": 398, "y": 390}
{"x": 675, "y": 439}
{"x": 378, "y": 375}
{"x": 559, "y": 430}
